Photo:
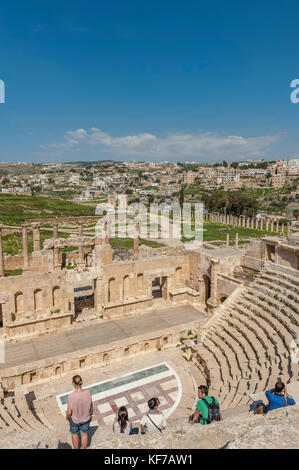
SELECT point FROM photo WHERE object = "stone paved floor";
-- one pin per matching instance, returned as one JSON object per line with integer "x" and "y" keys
{"x": 133, "y": 390}
{"x": 105, "y": 332}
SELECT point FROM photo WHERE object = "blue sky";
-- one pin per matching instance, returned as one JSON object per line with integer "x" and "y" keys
{"x": 148, "y": 80}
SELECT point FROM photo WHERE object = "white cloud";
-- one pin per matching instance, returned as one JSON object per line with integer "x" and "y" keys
{"x": 202, "y": 146}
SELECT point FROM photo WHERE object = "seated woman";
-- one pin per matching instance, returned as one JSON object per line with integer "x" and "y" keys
{"x": 122, "y": 425}
{"x": 154, "y": 421}
{"x": 277, "y": 398}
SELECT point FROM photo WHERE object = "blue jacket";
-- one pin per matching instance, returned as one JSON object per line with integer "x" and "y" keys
{"x": 277, "y": 401}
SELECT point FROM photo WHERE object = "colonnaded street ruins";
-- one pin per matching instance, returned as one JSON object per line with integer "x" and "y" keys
{"x": 149, "y": 322}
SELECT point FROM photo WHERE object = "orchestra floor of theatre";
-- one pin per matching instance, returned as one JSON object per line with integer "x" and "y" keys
{"x": 98, "y": 333}
{"x": 130, "y": 382}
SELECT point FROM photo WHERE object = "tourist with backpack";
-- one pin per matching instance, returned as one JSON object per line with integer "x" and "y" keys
{"x": 207, "y": 408}
{"x": 278, "y": 397}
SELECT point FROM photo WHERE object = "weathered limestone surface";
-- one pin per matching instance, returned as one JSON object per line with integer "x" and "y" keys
{"x": 278, "y": 430}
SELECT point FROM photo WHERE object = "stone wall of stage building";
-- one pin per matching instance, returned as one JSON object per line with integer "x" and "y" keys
{"x": 41, "y": 261}
{"x": 253, "y": 259}
{"x": 75, "y": 362}
{"x": 255, "y": 249}
{"x": 201, "y": 262}
{"x": 271, "y": 249}
{"x": 287, "y": 257}
{"x": 124, "y": 287}
{"x": 35, "y": 303}
{"x": 226, "y": 285}
{"x": 249, "y": 262}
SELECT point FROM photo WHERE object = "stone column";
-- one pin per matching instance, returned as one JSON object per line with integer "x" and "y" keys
{"x": 277, "y": 227}
{"x": 272, "y": 225}
{"x": 282, "y": 229}
{"x": 256, "y": 224}
{"x": 106, "y": 238}
{"x": 55, "y": 230}
{"x": 1, "y": 254}
{"x": 201, "y": 289}
{"x": 237, "y": 240}
{"x": 25, "y": 249}
{"x": 267, "y": 225}
{"x": 80, "y": 229}
{"x": 97, "y": 293}
{"x": 57, "y": 265}
{"x": 227, "y": 239}
{"x": 212, "y": 302}
{"x": 36, "y": 236}
{"x": 81, "y": 247}
{"x": 136, "y": 248}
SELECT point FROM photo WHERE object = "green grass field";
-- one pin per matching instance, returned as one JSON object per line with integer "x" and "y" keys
{"x": 12, "y": 243}
{"x": 127, "y": 243}
{"x": 14, "y": 209}
{"x": 214, "y": 231}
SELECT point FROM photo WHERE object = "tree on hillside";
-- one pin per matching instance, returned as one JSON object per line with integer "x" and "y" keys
{"x": 296, "y": 214}
{"x": 235, "y": 203}
{"x": 181, "y": 198}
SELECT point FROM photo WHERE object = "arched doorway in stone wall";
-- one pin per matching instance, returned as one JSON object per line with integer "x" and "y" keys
{"x": 156, "y": 288}
{"x": 19, "y": 302}
{"x": 222, "y": 298}
{"x": 207, "y": 287}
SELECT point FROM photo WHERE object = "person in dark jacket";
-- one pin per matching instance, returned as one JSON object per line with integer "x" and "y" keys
{"x": 277, "y": 398}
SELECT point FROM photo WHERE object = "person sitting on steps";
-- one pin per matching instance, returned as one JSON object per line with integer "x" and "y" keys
{"x": 277, "y": 398}
{"x": 207, "y": 408}
{"x": 122, "y": 425}
{"x": 154, "y": 421}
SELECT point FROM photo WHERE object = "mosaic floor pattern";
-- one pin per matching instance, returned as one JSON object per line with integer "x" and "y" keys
{"x": 133, "y": 391}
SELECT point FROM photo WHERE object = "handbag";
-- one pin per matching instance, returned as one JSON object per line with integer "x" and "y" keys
{"x": 154, "y": 423}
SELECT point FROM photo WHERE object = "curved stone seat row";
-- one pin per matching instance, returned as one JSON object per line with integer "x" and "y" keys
{"x": 250, "y": 344}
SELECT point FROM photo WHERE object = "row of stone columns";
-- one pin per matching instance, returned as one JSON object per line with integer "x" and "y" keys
{"x": 267, "y": 225}
{"x": 37, "y": 246}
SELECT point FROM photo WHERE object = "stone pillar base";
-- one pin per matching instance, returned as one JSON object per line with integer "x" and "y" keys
{"x": 212, "y": 304}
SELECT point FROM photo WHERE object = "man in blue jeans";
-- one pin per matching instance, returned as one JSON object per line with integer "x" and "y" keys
{"x": 277, "y": 398}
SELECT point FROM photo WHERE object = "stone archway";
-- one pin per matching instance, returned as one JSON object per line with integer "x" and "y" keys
{"x": 207, "y": 287}
{"x": 222, "y": 298}
{"x": 19, "y": 302}
{"x": 38, "y": 299}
